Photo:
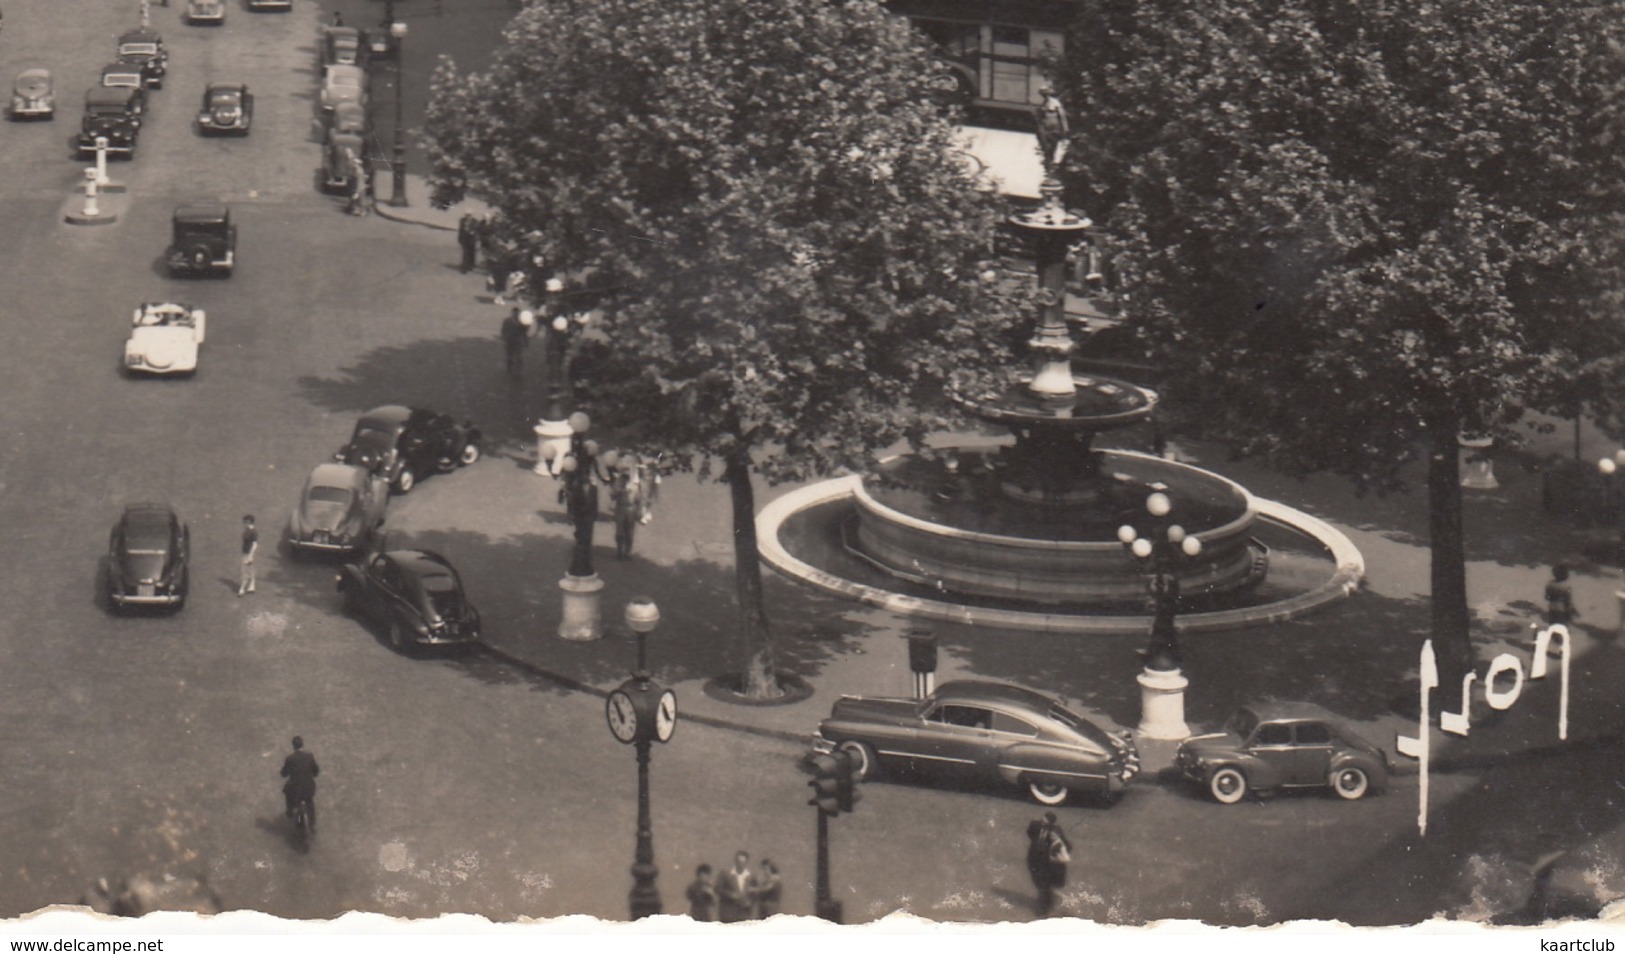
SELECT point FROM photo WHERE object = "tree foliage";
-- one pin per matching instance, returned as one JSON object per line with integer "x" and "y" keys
{"x": 763, "y": 201}
{"x": 1354, "y": 228}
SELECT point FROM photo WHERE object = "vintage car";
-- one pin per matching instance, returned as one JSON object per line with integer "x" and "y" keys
{"x": 212, "y": 12}
{"x": 123, "y": 75}
{"x": 416, "y": 594}
{"x": 403, "y": 444}
{"x": 114, "y": 114}
{"x": 343, "y": 84}
{"x": 33, "y": 95}
{"x": 340, "y": 46}
{"x": 164, "y": 338}
{"x": 342, "y": 162}
{"x": 347, "y": 118}
{"x": 145, "y": 48}
{"x": 1282, "y": 745}
{"x": 227, "y": 108}
{"x": 339, "y": 511}
{"x": 257, "y": 6}
{"x": 203, "y": 240}
{"x": 971, "y": 730}
{"x": 146, "y": 559}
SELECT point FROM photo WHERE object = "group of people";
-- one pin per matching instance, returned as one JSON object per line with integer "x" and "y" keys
{"x": 504, "y": 266}
{"x": 739, "y": 894}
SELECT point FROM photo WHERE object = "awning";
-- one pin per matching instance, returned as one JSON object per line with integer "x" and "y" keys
{"x": 1010, "y": 159}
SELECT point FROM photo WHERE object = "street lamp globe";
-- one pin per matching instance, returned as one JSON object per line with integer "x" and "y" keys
{"x": 561, "y": 324}
{"x": 1158, "y": 504}
{"x": 1176, "y": 534}
{"x": 398, "y": 30}
{"x": 1141, "y": 548}
{"x": 1192, "y": 546}
{"x": 1608, "y": 465}
{"x": 642, "y": 615}
{"x": 580, "y": 422}
{"x": 1126, "y": 534}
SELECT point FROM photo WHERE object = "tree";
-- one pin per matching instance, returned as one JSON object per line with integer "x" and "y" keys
{"x": 1354, "y": 229}
{"x": 764, "y": 201}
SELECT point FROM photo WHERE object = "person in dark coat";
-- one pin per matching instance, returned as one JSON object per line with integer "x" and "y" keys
{"x": 515, "y": 338}
{"x": 300, "y": 770}
{"x": 768, "y": 890}
{"x": 623, "y": 495}
{"x": 1038, "y": 867}
{"x": 468, "y": 239}
{"x": 702, "y": 895}
{"x": 1559, "y": 597}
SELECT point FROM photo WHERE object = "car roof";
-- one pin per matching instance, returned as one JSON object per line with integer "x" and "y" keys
{"x": 343, "y": 33}
{"x": 202, "y": 212}
{"x": 147, "y": 520}
{"x": 110, "y": 95}
{"x": 1289, "y": 712}
{"x": 345, "y": 69}
{"x": 974, "y": 691}
{"x": 234, "y": 87}
{"x": 420, "y": 562}
{"x": 336, "y": 475}
{"x": 120, "y": 66}
{"x": 34, "y": 73}
{"x": 388, "y": 416}
{"x": 140, "y": 35}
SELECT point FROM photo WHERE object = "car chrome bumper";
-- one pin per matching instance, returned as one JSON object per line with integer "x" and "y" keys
{"x": 327, "y": 546}
{"x": 159, "y": 599}
{"x": 821, "y": 745}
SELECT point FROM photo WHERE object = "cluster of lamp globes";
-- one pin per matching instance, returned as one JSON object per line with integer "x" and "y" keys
{"x": 1608, "y": 465}
{"x": 1159, "y": 505}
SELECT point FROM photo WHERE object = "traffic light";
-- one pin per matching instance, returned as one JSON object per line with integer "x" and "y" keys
{"x": 846, "y": 781}
{"x": 825, "y": 782}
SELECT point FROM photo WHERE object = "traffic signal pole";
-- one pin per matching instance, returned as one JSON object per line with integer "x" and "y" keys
{"x": 823, "y": 905}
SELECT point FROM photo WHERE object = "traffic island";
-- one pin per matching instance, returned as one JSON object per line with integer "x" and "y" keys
{"x": 81, "y": 209}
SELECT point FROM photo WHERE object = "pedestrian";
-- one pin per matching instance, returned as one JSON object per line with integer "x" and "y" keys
{"x": 338, "y": 18}
{"x": 624, "y": 498}
{"x": 515, "y": 338}
{"x": 251, "y": 546}
{"x": 768, "y": 890}
{"x": 702, "y": 895}
{"x": 1050, "y": 852}
{"x": 733, "y": 891}
{"x": 515, "y": 284}
{"x": 1559, "y": 597}
{"x": 498, "y": 279}
{"x": 468, "y": 239}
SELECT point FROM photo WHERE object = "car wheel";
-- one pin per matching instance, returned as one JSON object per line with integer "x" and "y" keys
{"x": 1047, "y": 793}
{"x": 1350, "y": 782}
{"x": 1228, "y": 786}
{"x": 405, "y": 481}
{"x": 471, "y": 453}
{"x": 864, "y": 763}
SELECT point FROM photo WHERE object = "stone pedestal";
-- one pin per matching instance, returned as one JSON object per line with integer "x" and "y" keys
{"x": 1162, "y": 704}
{"x": 555, "y": 434}
{"x": 1478, "y": 468}
{"x": 581, "y": 621}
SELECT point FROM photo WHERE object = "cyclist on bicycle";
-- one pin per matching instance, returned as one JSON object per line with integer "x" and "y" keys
{"x": 300, "y": 770}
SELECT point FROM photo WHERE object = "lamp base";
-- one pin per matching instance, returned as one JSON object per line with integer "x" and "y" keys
{"x": 1162, "y": 704}
{"x": 582, "y": 619}
{"x": 554, "y": 434}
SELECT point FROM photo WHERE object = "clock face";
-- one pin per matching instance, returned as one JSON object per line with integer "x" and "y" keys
{"x": 666, "y": 716}
{"x": 622, "y": 715}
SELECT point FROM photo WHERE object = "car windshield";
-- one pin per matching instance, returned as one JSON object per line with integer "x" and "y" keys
{"x": 1242, "y": 723}
{"x": 336, "y": 495}
{"x": 138, "y": 49}
{"x": 1080, "y": 725}
{"x": 219, "y": 98}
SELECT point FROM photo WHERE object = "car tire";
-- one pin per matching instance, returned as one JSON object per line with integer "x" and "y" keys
{"x": 1047, "y": 793}
{"x": 1350, "y": 782}
{"x": 1227, "y": 785}
{"x": 470, "y": 454}
{"x": 405, "y": 481}
{"x": 865, "y": 764}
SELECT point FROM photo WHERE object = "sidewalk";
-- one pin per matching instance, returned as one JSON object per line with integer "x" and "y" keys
{"x": 417, "y": 210}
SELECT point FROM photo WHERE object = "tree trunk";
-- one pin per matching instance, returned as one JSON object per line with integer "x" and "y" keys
{"x": 1452, "y": 639}
{"x": 757, "y": 679}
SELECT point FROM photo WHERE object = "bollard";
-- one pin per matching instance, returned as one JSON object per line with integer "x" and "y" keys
{"x": 91, "y": 211}
{"x": 101, "y": 161}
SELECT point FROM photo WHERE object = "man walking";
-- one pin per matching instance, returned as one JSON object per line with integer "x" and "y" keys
{"x": 251, "y": 546}
{"x": 468, "y": 238}
{"x": 1048, "y": 853}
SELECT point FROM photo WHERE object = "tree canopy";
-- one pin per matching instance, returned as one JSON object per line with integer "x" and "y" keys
{"x": 1351, "y": 229}
{"x": 765, "y": 204}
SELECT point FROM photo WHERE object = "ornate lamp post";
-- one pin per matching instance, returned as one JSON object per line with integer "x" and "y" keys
{"x": 582, "y": 468}
{"x": 397, "y": 163}
{"x": 1613, "y": 469}
{"x": 553, "y": 431}
{"x": 1161, "y": 549}
{"x": 639, "y": 713}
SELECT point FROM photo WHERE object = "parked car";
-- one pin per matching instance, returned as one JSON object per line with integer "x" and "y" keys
{"x": 343, "y": 84}
{"x": 227, "y": 108}
{"x": 982, "y": 731}
{"x": 33, "y": 95}
{"x": 203, "y": 240}
{"x": 280, "y": 6}
{"x": 415, "y": 593}
{"x": 211, "y": 12}
{"x": 1283, "y": 745}
{"x": 339, "y": 511}
{"x": 340, "y": 46}
{"x": 164, "y": 338}
{"x": 347, "y": 118}
{"x": 114, "y": 114}
{"x": 341, "y": 162}
{"x": 124, "y": 75}
{"x": 403, "y": 444}
{"x": 146, "y": 560}
{"x": 145, "y": 48}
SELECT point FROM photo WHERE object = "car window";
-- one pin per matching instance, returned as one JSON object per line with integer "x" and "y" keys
{"x": 1273, "y": 735}
{"x": 969, "y": 716}
{"x": 1242, "y": 722}
{"x": 336, "y": 495}
{"x": 1313, "y": 733}
{"x": 1003, "y": 722}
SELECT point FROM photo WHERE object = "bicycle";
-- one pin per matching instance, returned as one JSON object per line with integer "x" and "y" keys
{"x": 302, "y": 830}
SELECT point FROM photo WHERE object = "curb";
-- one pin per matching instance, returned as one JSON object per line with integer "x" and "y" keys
{"x": 575, "y": 685}
{"x": 378, "y": 210}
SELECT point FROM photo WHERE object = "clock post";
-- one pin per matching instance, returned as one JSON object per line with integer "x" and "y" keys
{"x": 640, "y": 713}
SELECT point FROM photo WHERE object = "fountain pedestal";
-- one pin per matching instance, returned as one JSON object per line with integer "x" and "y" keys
{"x": 1162, "y": 704}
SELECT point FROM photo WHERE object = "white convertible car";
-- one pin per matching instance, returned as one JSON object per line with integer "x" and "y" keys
{"x": 164, "y": 338}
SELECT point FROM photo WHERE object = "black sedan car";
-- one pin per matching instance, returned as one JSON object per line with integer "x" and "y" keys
{"x": 146, "y": 560}
{"x": 1281, "y": 745}
{"x": 415, "y": 593}
{"x": 403, "y": 444}
{"x": 983, "y": 731}
{"x": 227, "y": 108}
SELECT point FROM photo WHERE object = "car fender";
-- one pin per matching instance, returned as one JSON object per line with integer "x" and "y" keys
{"x": 1374, "y": 769}
{"x": 1043, "y": 761}
{"x": 1260, "y": 773}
